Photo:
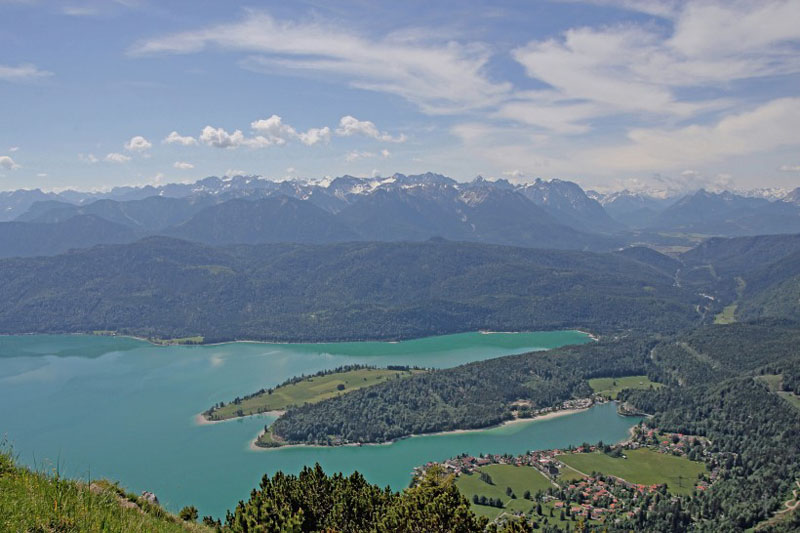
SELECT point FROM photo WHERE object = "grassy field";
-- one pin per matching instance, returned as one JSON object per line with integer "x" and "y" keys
{"x": 727, "y": 315}
{"x": 311, "y": 390}
{"x": 643, "y": 466}
{"x": 773, "y": 381}
{"x": 34, "y": 502}
{"x": 610, "y": 387}
{"x": 519, "y": 478}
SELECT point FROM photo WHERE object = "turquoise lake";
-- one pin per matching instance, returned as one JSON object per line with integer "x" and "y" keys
{"x": 124, "y": 409}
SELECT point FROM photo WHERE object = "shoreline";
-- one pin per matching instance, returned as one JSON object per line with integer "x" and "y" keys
{"x": 279, "y": 343}
{"x": 589, "y": 334}
{"x": 546, "y": 416}
{"x": 201, "y": 420}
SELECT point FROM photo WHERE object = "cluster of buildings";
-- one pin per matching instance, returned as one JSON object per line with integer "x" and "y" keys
{"x": 522, "y": 408}
{"x": 545, "y": 461}
{"x": 595, "y": 497}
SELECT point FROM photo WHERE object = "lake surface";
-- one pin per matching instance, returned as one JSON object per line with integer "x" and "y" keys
{"x": 124, "y": 409}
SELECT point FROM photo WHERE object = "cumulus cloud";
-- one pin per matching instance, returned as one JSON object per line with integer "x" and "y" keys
{"x": 349, "y": 125}
{"x": 277, "y": 132}
{"x": 115, "y": 157}
{"x": 355, "y": 155}
{"x": 88, "y": 158}
{"x": 182, "y": 165}
{"x": 315, "y": 135}
{"x": 789, "y": 168}
{"x": 270, "y": 131}
{"x": 219, "y": 138}
{"x": 177, "y": 138}
{"x": 26, "y": 72}
{"x": 138, "y": 144}
{"x": 386, "y": 153}
{"x": 273, "y": 129}
{"x": 7, "y": 163}
{"x": 233, "y": 172}
{"x": 14, "y": 149}
{"x": 416, "y": 67}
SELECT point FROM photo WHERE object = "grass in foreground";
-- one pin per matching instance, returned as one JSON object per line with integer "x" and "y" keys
{"x": 641, "y": 466}
{"x": 35, "y": 502}
{"x": 610, "y": 387}
{"x": 310, "y": 390}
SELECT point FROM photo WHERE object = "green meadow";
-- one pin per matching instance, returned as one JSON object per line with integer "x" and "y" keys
{"x": 610, "y": 387}
{"x": 310, "y": 390}
{"x": 642, "y": 466}
{"x": 519, "y": 479}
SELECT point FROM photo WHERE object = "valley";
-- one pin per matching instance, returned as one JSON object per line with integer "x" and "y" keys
{"x": 495, "y": 266}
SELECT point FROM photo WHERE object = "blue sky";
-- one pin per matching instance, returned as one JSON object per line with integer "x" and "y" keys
{"x": 609, "y": 93}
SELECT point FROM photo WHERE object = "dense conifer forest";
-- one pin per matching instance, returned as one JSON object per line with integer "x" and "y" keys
{"x": 165, "y": 288}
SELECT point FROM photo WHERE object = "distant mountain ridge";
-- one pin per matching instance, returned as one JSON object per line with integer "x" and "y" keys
{"x": 248, "y": 210}
{"x": 553, "y": 213}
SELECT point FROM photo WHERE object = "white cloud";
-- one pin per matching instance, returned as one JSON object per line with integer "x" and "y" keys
{"x": 662, "y": 8}
{"x": 766, "y": 127}
{"x": 26, "y": 72}
{"x": 386, "y": 153}
{"x": 41, "y": 175}
{"x": 639, "y": 69}
{"x": 182, "y": 165}
{"x": 7, "y": 163}
{"x": 355, "y": 155}
{"x": 80, "y": 11}
{"x": 349, "y": 125}
{"x": 277, "y": 132}
{"x": 315, "y": 135}
{"x": 270, "y": 131}
{"x": 414, "y": 66}
{"x": 274, "y": 129}
{"x": 177, "y": 138}
{"x": 220, "y": 138}
{"x": 115, "y": 157}
{"x": 88, "y": 158}
{"x": 14, "y": 149}
{"x": 789, "y": 168}
{"x": 232, "y": 172}
{"x": 138, "y": 144}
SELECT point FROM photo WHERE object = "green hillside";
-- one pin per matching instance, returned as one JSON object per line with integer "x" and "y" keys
{"x": 35, "y": 502}
{"x": 169, "y": 289}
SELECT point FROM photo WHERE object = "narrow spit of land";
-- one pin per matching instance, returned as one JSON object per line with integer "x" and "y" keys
{"x": 305, "y": 389}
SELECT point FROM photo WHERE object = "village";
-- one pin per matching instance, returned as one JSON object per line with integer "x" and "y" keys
{"x": 572, "y": 494}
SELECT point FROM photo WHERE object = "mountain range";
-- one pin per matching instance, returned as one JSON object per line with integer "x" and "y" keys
{"x": 553, "y": 213}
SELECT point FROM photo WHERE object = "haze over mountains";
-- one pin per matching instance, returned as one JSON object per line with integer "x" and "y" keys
{"x": 250, "y": 210}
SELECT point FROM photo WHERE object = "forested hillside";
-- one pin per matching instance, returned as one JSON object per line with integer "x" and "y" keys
{"x": 482, "y": 394}
{"x": 713, "y": 389}
{"x": 760, "y": 275}
{"x": 476, "y": 395}
{"x": 168, "y": 288}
